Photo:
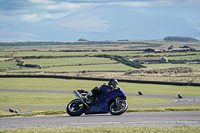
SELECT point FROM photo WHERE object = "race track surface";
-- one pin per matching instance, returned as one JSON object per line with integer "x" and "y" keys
{"x": 126, "y": 119}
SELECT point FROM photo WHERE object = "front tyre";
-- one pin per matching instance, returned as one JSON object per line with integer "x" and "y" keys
{"x": 118, "y": 107}
{"x": 75, "y": 108}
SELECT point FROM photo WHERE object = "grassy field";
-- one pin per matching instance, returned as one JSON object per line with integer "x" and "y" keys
{"x": 34, "y": 99}
{"x": 103, "y": 67}
{"x": 68, "y": 61}
{"x": 63, "y": 84}
{"x": 9, "y": 65}
{"x": 186, "y": 57}
{"x": 49, "y": 99}
{"x": 6, "y": 53}
{"x": 119, "y": 129}
{"x": 49, "y": 53}
{"x": 180, "y": 55}
{"x": 169, "y": 65}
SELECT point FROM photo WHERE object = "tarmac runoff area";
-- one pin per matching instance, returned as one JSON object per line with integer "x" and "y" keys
{"x": 186, "y": 100}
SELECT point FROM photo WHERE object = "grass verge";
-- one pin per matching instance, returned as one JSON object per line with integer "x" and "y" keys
{"x": 195, "y": 107}
{"x": 35, "y": 113}
{"x": 119, "y": 129}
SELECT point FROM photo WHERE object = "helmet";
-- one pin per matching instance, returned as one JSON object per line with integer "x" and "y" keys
{"x": 113, "y": 82}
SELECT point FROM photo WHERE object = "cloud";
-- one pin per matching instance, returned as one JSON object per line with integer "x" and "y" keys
{"x": 8, "y": 32}
{"x": 96, "y": 25}
{"x": 65, "y": 6}
{"x": 47, "y": 15}
{"x": 158, "y": 3}
{"x": 29, "y": 17}
{"x": 7, "y": 35}
{"x": 42, "y": 1}
{"x": 19, "y": 11}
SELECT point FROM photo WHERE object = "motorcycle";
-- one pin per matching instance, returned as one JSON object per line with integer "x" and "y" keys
{"x": 113, "y": 102}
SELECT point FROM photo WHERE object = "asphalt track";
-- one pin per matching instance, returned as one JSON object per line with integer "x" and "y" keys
{"x": 158, "y": 119}
{"x": 190, "y": 118}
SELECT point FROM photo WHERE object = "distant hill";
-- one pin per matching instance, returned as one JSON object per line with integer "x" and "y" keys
{"x": 100, "y": 24}
{"x": 180, "y": 39}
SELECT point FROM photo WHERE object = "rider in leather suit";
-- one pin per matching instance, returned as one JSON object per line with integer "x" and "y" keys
{"x": 112, "y": 84}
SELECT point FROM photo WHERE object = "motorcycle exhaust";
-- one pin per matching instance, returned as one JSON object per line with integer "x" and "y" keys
{"x": 76, "y": 93}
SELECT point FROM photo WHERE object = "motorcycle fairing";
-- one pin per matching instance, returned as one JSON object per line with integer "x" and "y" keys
{"x": 100, "y": 105}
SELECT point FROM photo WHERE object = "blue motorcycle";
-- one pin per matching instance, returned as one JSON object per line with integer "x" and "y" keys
{"x": 113, "y": 102}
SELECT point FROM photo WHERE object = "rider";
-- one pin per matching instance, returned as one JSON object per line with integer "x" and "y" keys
{"x": 112, "y": 84}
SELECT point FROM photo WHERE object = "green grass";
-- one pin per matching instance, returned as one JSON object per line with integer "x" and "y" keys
{"x": 118, "y": 129}
{"x": 186, "y": 56}
{"x": 68, "y": 61}
{"x": 169, "y": 54}
{"x": 34, "y": 99}
{"x": 47, "y": 84}
{"x": 5, "y": 113}
{"x": 8, "y": 65}
{"x": 169, "y": 65}
{"x": 147, "y": 101}
{"x": 63, "y": 84}
{"x": 62, "y": 111}
{"x": 47, "y": 53}
{"x": 50, "y": 99}
{"x": 34, "y": 113}
{"x": 194, "y": 107}
{"x": 6, "y": 53}
{"x": 42, "y": 53}
{"x": 160, "y": 89}
{"x": 103, "y": 67}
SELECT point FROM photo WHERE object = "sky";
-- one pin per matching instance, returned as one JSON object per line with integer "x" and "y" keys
{"x": 16, "y": 12}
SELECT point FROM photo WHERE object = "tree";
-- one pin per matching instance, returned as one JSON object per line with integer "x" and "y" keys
{"x": 180, "y": 39}
{"x": 82, "y": 39}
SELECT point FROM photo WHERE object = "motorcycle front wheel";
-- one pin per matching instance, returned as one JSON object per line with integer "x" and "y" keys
{"x": 118, "y": 107}
{"x": 75, "y": 108}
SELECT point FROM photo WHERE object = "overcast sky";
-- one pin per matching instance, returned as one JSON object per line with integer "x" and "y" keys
{"x": 23, "y": 11}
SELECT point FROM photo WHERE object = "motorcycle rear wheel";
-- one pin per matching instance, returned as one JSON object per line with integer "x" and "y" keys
{"x": 118, "y": 108}
{"x": 75, "y": 108}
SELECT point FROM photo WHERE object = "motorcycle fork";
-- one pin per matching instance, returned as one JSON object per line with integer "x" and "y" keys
{"x": 116, "y": 102}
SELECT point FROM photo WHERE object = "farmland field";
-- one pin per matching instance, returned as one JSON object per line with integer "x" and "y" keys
{"x": 101, "y": 67}
{"x": 169, "y": 65}
{"x": 189, "y": 56}
{"x": 102, "y": 60}
{"x": 68, "y": 61}
{"x": 48, "y": 53}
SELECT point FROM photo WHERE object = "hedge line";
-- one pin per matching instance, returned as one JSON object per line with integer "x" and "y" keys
{"x": 122, "y": 60}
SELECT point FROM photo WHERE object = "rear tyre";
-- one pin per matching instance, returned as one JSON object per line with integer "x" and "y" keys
{"x": 75, "y": 108}
{"x": 118, "y": 107}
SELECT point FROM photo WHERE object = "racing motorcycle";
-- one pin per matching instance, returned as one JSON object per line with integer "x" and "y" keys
{"x": 109, "y": 101}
